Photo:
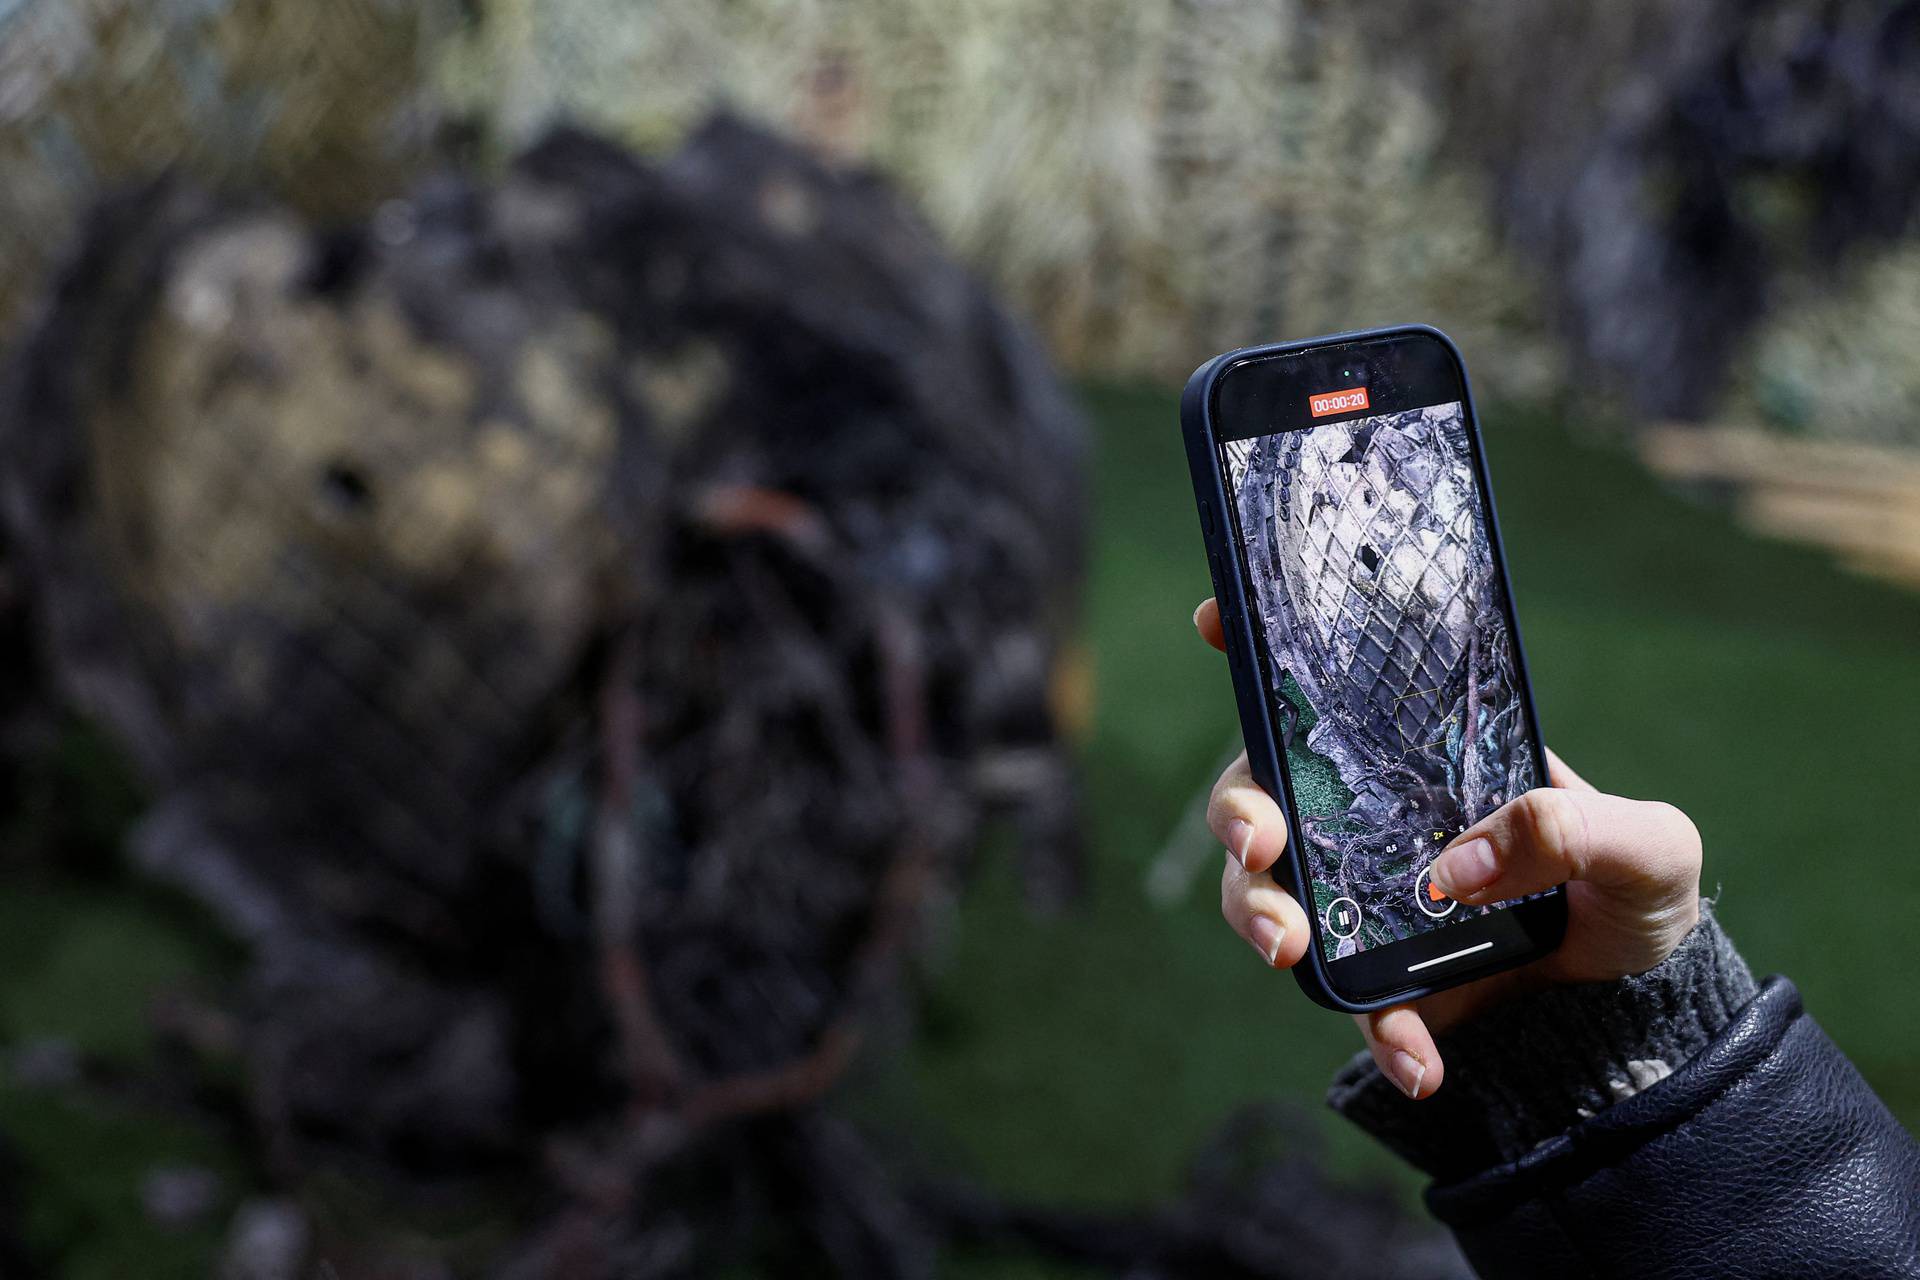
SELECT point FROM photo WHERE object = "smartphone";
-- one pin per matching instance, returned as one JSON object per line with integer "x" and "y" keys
{"x": 1371, "y": 637}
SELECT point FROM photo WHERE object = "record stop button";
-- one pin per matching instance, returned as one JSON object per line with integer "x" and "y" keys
{"x": 1428, "y": 896}
{"x": 1343, "y": 917}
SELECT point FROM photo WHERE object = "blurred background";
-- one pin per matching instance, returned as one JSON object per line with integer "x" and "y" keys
{"x": 595, "y": 596}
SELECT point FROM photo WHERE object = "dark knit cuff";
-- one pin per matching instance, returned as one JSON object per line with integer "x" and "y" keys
{"x": 1531, "y": 1068}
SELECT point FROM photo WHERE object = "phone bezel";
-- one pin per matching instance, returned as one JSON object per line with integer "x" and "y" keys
{"x": 1522, "y": 932}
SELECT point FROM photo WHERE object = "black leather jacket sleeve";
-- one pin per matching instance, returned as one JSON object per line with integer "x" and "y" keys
{"x": 1682, "y": 1122}
{"x": 1765, "y": 1155}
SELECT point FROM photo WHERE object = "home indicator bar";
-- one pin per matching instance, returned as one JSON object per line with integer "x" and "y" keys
{"x": 1451, "y": 955}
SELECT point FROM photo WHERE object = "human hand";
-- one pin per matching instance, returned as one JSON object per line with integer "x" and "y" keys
{"x": 1631, "y": 867}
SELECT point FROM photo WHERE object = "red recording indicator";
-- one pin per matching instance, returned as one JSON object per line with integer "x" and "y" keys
{"x": 1337, "y": 401}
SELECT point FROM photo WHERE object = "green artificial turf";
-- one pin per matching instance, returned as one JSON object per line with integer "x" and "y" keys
{"x": 1752, "y": 683}
{"x": 80, "y": 964}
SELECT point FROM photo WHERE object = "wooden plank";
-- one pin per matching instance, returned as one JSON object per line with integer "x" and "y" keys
{"x": 1859, "y": 500}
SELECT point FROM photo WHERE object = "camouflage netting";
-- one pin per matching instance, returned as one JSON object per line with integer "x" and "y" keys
{"x": 1151, "y": 182}
{"x": 575, "y": 629}
{"x": 1685, "y": 170}
{"x": 1146, "y": 184}
{"x": 1838, "y": 362}
{"x": 321, "y": 104}
{"x": 1654, "y": 177}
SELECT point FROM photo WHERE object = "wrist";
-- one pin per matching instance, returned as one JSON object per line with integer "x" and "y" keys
{"x": 1534, "y": 1065}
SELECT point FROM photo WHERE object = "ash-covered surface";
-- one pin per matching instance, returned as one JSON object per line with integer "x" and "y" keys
{"x": 1380, "y": 604}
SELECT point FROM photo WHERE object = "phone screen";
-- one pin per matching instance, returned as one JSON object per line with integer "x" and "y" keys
{"x": 1385, "y": 632}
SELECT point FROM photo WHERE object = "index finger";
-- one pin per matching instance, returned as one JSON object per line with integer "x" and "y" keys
{"x": 1245, "y": 818}
{"x": 1206, "y": 619}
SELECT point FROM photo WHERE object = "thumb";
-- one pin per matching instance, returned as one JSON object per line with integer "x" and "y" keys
{"x": 1640, "y": 849}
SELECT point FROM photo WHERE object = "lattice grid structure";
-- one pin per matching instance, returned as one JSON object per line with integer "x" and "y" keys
{"x": 1142, "y": 183}
{"x": 1373, "y": 577}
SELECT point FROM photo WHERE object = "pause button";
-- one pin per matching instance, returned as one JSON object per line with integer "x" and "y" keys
{"x": 1343, "y": 917}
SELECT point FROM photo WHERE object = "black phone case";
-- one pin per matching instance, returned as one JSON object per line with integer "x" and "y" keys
{"x": 1267, "y": 761}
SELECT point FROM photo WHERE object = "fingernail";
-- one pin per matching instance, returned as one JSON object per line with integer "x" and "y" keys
{"x": 1266, "y": 937}
{"x": 1196, "y": 612}
{"x": 1239, "y": 839}
{"x": 1466, "y": 869}
{"x": 1408, "y": 1072}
